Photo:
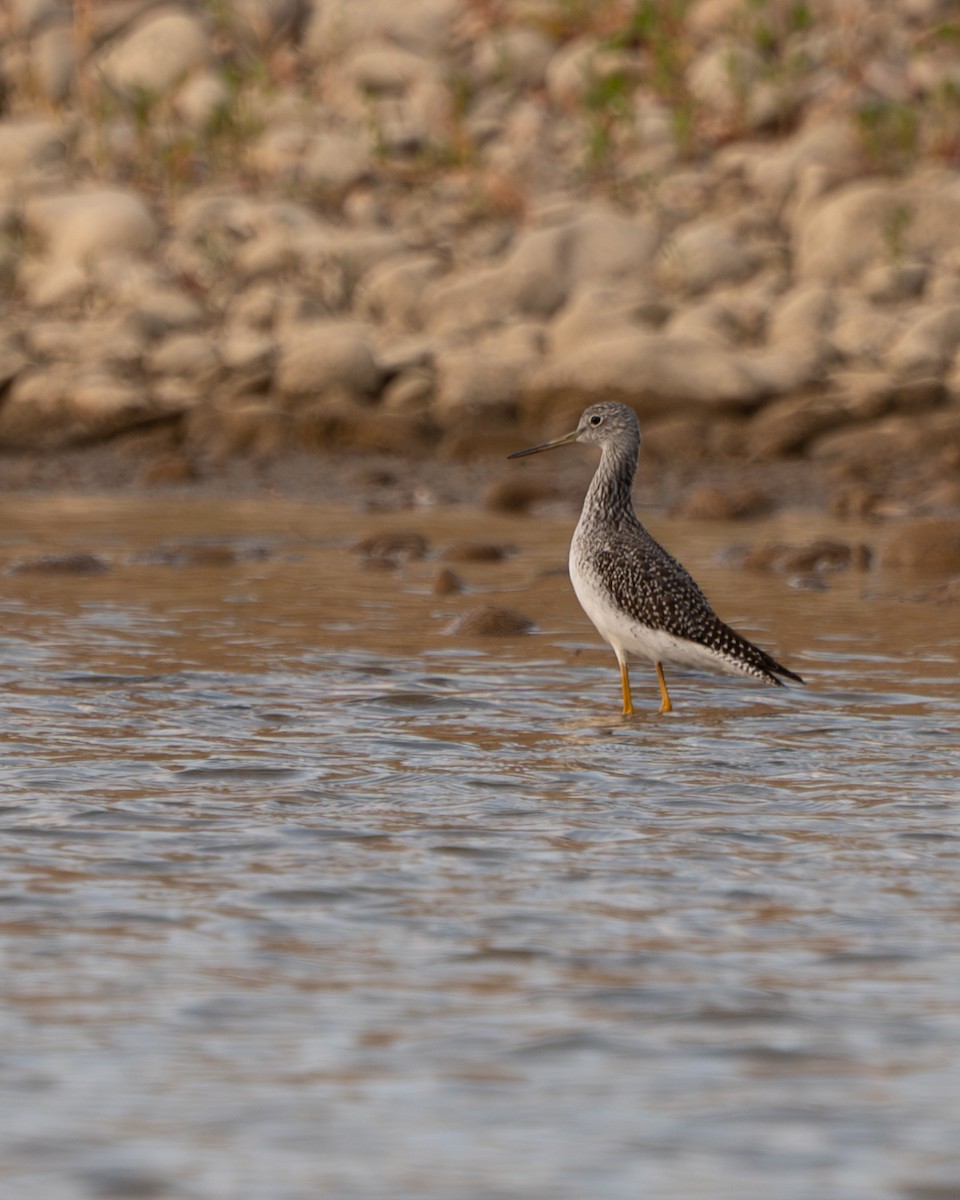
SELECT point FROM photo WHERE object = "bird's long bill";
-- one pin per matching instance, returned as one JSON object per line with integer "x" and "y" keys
{"x": 560, "y": 441}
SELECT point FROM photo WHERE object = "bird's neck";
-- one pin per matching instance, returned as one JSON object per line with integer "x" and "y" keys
{"x": 609, "y": 495}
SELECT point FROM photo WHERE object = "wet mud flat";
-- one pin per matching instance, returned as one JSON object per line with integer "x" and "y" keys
{"x": 320, "y": 896}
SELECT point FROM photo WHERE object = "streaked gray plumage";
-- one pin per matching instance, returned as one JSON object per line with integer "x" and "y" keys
{"x": 640, "y": 598}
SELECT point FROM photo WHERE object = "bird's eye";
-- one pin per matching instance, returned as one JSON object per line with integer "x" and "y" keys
{"x": 596, "y": 419}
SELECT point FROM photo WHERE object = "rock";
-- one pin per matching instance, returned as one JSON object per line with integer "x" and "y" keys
{"x": 263, "y": 23}
{"x": 706, "y": 254}
{"x": 654, "y": 370}
{"x": 337, "y": 25}
{"x": 186, "y": 354}
{"x": 491, "y": 621}
{"x": 469, "y": 381}
{"x": 59, "y": 564}
{"x": 711, "y": 503}
{"x": 203, "y": 554}
{"x": 167, "y": 470}
{"x": 77, "y": 227}
{"x": 582, "y": 66}
{"x": 383, "y": 69}
{"x": 829, "y": 147}
{"x": 29, "y": 145}
{"x": 709, "y": 321}
{"x": 867, "y": 224}
{"x": 56, "y": 406}
{"x": 928, "y": 346}
{"x": 539, "y": 273}
{"x": 252, "y": 428}
{"x": 863, "y": 333}
{"x": 391, "y": 293}
{"x": 161, "y": 310}
{"x": 338, "y": 260}
{"x": 473, "y": 552}
{"x": 246, "y": 352}
{"x": 786, "y": 426}
{"x": 513, "y": 495}
{"x": 105, "y": 341}
{"x": 322, "y": 356}
{"x": 201, "y": 99}
{"x": 892, "y": 283}
{"x": 931, "y": 544}
{"x": 53, "y": 63}
{"x": 722, "y": 77}
{"x": 411, "y": 391}
{"x": 13, "y": 361}
{"x": 163, "y": 46}
{"x": 515, "y": 56}
{"x": 894, "y": 439}
{"x": 595, "y": 309}
{"x": 446, "y": 583}
{"x": 27, "y": 17}
{"x": 332, "y": 163}
{"x": 804, "y": 315}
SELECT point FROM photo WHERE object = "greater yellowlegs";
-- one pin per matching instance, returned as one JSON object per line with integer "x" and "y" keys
{"x": 640, "y": 598}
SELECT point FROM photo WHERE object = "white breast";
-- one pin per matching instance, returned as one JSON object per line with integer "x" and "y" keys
{"x": 627, "y": 637}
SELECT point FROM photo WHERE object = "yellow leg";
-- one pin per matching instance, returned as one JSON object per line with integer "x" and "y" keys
{"x": 625, "y": 685}
{"x": 665, "y": 705}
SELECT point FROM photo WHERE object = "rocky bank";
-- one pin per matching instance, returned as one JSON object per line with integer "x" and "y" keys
{"x": 235, "y": 233}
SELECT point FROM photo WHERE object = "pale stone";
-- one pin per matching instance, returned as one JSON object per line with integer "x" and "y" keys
{"x": 112, "y": 340}
{"x": 410, "y": 392}
{"x": 334, "y": 162}
{"x": 891, "y": 283}
{"x": 262, "y": 22}
{"x": 391, "y": 292}
{"x": 864, "y": 225}
{"x": 595, "y": 309}
{"x": 514, "y": 55}
{"x": 201, "y": 99}
{"x": 384, "y": 69}
{"x": 706, "y": 254}
{"x": 710, "y": 322}
{"x": 654, "y": 369}
{"x": 468, "y": 381}
{"x": 338, "y": 24}
{"x": 831, "y": 146}
{"x": 29, "y": 144}
{"x": 54, "y": 406}
{"x": 580, "y": 65}
{"x": 27, "y": 17}
{"x": 159, "y": 310}
{"x": 863, "y": 333}
{"x": 188, "y": 354}
{"x": 537, "y": 276}
{"x": 245, "y": 351}
{"x": 76, "y": 226}
{"x": 786, "y": 426}
{"x": 325, "y": 355}
{"x": 928, "y": 346}
{"x": 164, "y": 46}
{"x": 804, "y": 313}
{"x": 53, "y": 63}
{"x": 53, "y": 285}
{"x": 724, "y": 74}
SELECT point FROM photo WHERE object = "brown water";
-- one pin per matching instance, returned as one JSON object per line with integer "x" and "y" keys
{"x": 304, "y": 897}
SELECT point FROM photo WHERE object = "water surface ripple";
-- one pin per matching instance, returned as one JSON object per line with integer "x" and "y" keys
{"x": 302, "y": 897}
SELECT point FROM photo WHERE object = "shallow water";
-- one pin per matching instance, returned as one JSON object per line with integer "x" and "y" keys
{"x": 303, "y": 896}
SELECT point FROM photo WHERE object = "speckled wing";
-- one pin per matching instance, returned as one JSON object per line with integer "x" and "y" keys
{"x": 648, "y": 584}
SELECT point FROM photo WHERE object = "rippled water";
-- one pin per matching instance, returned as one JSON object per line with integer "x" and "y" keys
{"x": 303, "y": 896}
